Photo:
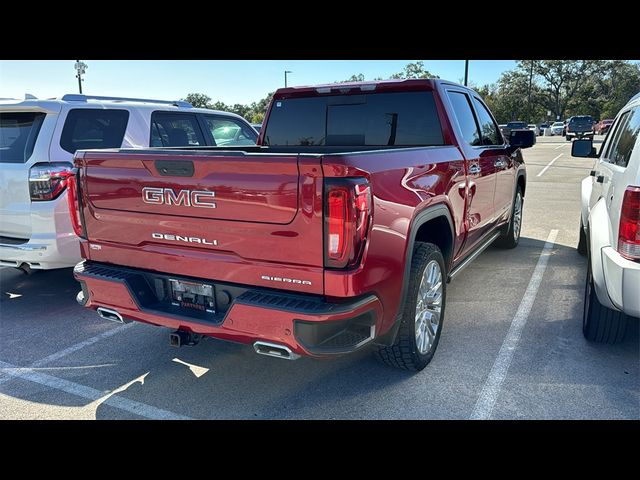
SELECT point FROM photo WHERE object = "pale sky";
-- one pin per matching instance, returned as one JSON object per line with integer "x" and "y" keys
{"x": 230, "y": 81}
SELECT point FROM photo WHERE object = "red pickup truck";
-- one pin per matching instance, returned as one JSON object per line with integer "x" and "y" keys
{"x": 338, "y": 231}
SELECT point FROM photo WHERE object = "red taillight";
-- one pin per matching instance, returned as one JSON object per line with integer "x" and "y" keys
{"x": 629, "y": 231}
{"x": 48, "y": 180}
{"x": 74, "y": 206}
{"x": 337, "y": 224}
{"x": 348, "y": 209}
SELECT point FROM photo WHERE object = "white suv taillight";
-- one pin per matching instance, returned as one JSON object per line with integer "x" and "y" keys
{"x": 347, "y": 219}
{"x": 629, "y": 231}
{"x": 48, "y": 180}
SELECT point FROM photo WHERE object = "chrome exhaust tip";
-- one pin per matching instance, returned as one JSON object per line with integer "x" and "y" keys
{"x": 110, "y": 315}
{"x": 275, "y": 350}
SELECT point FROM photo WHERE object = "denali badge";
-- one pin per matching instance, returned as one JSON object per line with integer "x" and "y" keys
{"x": 285, "y": 280}
{"x": 180, "y": 238}
{"x": 188, "y": 198}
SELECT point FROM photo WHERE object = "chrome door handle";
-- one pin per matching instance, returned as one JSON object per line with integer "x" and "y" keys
{"x": 500, "y": 164}
{"x": 474, "y": 169}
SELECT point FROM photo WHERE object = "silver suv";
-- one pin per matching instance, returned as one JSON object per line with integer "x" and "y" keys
{"x": 38, "y": 139}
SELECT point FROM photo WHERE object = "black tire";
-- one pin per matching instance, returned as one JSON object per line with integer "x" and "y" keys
{"x": 599, "y": 323}
{"x": 404, "y": 353}
{"x": 568, "y": 138}
{"x": 582, "y": 239}
{"x": 511, "y": 237}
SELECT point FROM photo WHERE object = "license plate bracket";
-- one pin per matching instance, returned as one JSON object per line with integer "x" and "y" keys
{"x": 192, "y": 295}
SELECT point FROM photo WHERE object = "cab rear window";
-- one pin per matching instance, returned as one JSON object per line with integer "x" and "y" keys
{"x": 18, "y": 134}
{"x": 376, "y": 119}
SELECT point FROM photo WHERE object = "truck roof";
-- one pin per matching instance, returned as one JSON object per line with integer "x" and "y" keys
{"x": 366, "y": 86}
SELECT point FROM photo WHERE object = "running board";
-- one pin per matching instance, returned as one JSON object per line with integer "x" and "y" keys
{"x": 472, "y": 257}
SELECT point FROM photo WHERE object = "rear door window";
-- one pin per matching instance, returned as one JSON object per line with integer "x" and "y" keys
{"x": 18, "y": 134}
{"x": 229, "y": 131}
{"x": 625, "y": 137}
{"x": 372, "y": 119}
{"x": 466, "y": 119}
{"x": 175, "y": 130}
{"x": 87, "y": 128}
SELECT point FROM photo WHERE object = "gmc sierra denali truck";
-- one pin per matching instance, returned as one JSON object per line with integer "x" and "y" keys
{"x": 339, "y": 230}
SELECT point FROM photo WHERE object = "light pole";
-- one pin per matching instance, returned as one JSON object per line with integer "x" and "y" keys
{"x": 466, "y": 72}
{"x": 80, "y": 67}
{"x": 530, "y": 85}
{"x": 285, "y": 77}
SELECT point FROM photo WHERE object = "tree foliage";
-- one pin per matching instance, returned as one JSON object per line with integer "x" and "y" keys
{"x": 414, "y": 70}
{"x": 198, "y": 100}
{"x": 253, "y": 112}
{"x": 564, "y": 87}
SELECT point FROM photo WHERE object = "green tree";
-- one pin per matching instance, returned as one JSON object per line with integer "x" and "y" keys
{"x": 414, "y": 70}
{"x": 353, "y": 78}
{"x": 220, "y": 106}
{"x": 604, "y": 95}
{"x": 198, "y": 100}
{"x": 562, "y": 81}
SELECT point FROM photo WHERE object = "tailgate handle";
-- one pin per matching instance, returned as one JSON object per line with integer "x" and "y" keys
{"x": 174, "y": 168}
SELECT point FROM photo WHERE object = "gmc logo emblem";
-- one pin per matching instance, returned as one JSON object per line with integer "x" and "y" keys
{"x": 187, "y": 198}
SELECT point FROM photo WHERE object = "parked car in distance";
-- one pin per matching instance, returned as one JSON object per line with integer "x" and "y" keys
{"x": 542, "y": 127}
{"x": 317, "y": 242}
{"x": 38, "y": 139}
{"x": 534, "y": 128}
{"x": 557, "y": 128}
{"x": 579, "y": 126}
{"x": 511, "y": 126}
{"x": 602, "y": 127}
{"x": 256, "y": 126}
{"x": 610, "y": 228}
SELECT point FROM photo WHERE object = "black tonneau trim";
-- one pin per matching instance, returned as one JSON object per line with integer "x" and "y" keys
{"x": 262, "y": 150}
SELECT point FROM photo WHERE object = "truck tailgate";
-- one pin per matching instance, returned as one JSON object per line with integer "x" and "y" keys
{"x": 228, "y": 216}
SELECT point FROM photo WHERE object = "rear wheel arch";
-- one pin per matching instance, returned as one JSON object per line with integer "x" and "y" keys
{"x": 521, "y": 181}
{"x": 598, "y": 237}
{"x": 433, "y": 225}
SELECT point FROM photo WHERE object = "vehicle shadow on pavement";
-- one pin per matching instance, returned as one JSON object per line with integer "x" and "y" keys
{"x": 57, "y": 285}
{"x": 217, "y": 379}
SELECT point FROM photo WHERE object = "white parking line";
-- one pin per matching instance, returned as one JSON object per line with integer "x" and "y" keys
{"x": 561, "y": 146}
{"x": 74, "y": 348}
{"x": 549, "y": 165}
{"x": 79, "y": 346}
{"x": 131, "y": 406}
{"x": 491, "y": 389}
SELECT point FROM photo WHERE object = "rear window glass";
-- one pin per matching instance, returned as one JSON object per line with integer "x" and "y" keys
{"x": 18, "y": 134}
{"x": 512, "y": 125}
{"x": 377, "y": 119}
{"x": 93, "y": 128}
{"x": 581, "y": 119}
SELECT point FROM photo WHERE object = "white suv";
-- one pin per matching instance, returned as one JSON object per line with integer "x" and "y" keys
{"x": 38, "y": 139}
{"x": 610, "y": 228}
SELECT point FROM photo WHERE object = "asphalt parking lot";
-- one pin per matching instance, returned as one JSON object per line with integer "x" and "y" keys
{"x": 511, "y": 348}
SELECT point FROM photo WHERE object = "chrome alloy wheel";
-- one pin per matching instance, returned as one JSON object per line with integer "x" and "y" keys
{"x": 517, "y": 216}
{"x": 428, "y": 307}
